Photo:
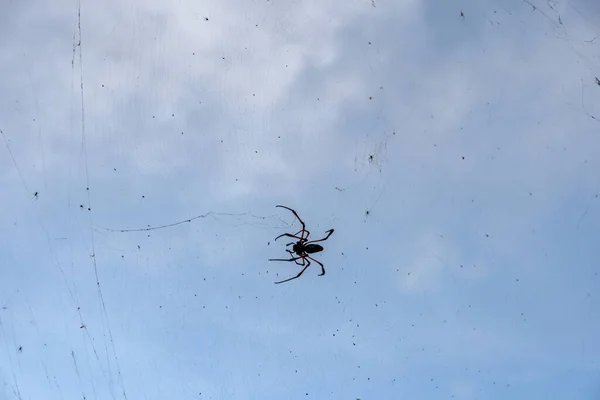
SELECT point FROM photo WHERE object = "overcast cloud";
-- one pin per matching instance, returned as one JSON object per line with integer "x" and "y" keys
{"x": 453, "y": 146}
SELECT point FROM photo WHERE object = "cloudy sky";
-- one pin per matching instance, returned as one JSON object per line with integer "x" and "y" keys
{"x": 453, "y": 146}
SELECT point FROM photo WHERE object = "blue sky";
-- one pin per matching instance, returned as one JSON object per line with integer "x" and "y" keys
{"x": 456, "y": 157}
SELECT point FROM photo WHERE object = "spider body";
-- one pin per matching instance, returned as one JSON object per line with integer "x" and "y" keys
{"x": 299, "y": 248}
{"x": 302, "y": 248}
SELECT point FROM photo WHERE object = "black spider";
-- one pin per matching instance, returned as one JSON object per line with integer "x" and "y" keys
{"x": 302, "y": 248}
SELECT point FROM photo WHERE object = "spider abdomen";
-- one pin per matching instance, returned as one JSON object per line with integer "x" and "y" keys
{"x": 313, "y": 248}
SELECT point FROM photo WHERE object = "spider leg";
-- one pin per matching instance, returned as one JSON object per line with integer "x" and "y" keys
{"x": 297, "y": 276}
{"x": 329, "y": 232}
{"x": 320, "y": 263}
{"x": 301, "y": 263}
{"x": 296, "y": 214}
{"x": 292, "y": 254}
{"x": 285, "y": 259}
{"x": 302, "y": 238}
{"x": 290, "y": 235}
{"x": 303, "y": 231}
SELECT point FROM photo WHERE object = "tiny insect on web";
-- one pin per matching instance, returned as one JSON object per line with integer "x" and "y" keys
{"x": 302, "y": 248}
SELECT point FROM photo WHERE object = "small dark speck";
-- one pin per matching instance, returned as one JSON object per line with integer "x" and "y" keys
{"x": 598, "y": 81}
{"x": 206, "y": 19}
{"x": 463, "y": 157}
{"x": 268, "y": 243}
{"x": 487, "y": 235}
{"x": 20, "y": 349}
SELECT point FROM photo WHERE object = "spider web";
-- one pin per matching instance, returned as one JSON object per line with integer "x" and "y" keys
{"x": 453, "y": 148}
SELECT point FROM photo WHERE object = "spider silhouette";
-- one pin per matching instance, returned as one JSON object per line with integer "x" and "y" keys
{"x": 302, "y": 248}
